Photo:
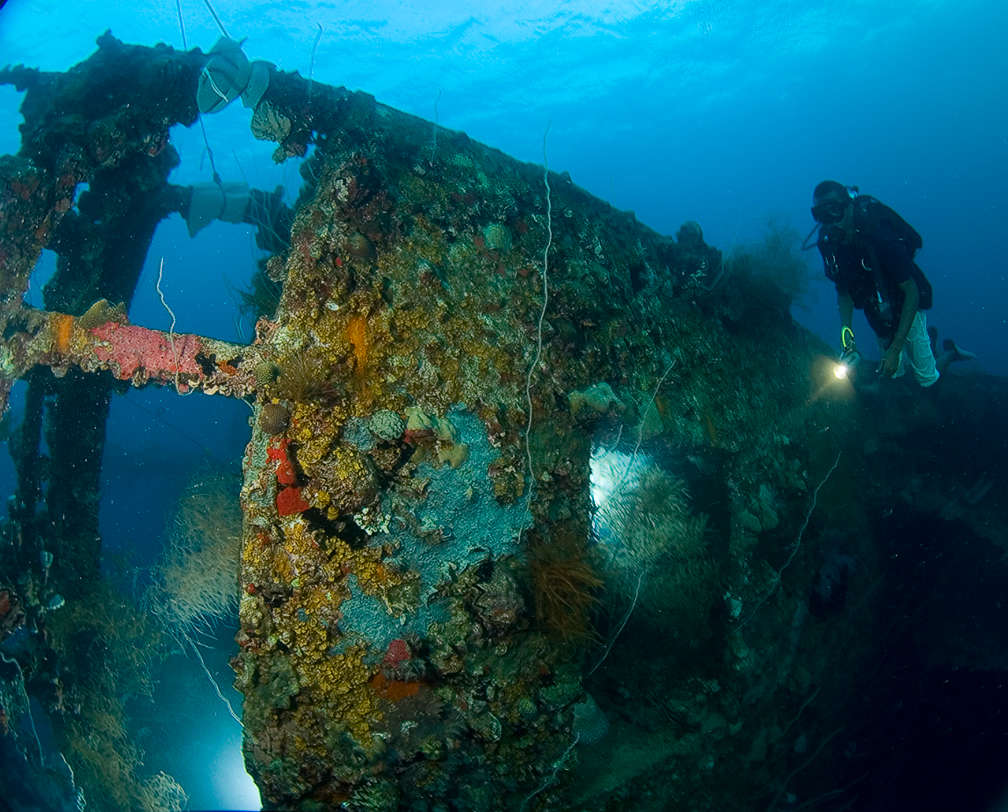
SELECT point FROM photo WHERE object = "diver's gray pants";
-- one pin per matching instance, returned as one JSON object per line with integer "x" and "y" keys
{"x": 917, "y": 353}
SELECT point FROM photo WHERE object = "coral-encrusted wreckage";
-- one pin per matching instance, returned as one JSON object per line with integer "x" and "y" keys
{"x": 439, "y": 606}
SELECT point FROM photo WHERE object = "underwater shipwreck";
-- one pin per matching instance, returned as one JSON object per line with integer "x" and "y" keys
{"x": 541, "y": 509}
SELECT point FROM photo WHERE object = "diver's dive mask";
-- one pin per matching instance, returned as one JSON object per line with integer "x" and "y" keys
{"x": 829, "y": 212}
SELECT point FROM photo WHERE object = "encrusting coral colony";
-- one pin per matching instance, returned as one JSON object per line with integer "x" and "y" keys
{"x": 423, "y": 594}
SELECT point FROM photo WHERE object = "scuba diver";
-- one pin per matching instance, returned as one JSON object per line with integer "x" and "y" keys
{"x": 868, "y": 253}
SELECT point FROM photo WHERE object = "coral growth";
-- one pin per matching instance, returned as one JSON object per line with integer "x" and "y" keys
{"x": 132, "y": 350}
{"x": 197, "y": 579}
{"x": 647, "y": 527}
{"x": 307, "y": 375}
{"x": 357, "y": 337}
{"x": 107, "y": 648}
{"x": 274, "y": 418}
{"x": 564, "y": 582}
{"x": 777, "y": 260}
{"x": 261, "y": 298}
{"x": 290, "y": 501}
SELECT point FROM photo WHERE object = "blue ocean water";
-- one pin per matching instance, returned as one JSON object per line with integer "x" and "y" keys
{"x": 727, "y": 113}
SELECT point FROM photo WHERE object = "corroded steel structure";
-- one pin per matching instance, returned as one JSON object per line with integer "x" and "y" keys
{"x": 426, "y": 591}
{"x": 457, "y": 330}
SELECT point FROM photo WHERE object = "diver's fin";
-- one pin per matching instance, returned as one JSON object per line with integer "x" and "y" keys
{"x": 958, "y": 353}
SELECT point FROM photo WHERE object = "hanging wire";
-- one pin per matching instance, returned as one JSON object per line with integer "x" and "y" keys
{"x": 181, "y": 24}
{"x": 213, "y": 14}
{"x": 311, "y": 64}
{"x": 213, "y": 166}
{"x": 185, "y": 44}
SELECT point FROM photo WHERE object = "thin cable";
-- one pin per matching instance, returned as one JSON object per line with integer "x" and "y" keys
{"x": 311, "y": 62}
{"x": 181, "y": 24}
{"x": 213, "y": 13}
{"x": 640, "y": 426}
{"x": 171, "y": 330}
{"x": 623, "y": 623}
{"x": 213, "y": 165}
{"x": 542, "y": 316}
{"x": 557, "y": 765}
{"x": 213, "y": 85}
{"x": 213, "y": 682}
{"x": 797, "y": 544}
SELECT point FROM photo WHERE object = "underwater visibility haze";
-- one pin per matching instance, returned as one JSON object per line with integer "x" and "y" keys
{"x": 431, "y": 406}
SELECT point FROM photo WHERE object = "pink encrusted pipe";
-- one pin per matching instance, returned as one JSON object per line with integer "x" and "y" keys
{"x": 188, "y": 361}
{"x": 132, "y": 353}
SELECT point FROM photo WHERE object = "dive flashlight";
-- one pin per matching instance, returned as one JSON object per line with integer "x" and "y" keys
{"x": 849, "y": 358}
{"x": 844, "y": 368}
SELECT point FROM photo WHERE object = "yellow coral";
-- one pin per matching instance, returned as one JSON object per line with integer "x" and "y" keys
{"x": 339, "y": 682}
{"x": 374, "y": 577}
{"x": 311, "y": 430}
